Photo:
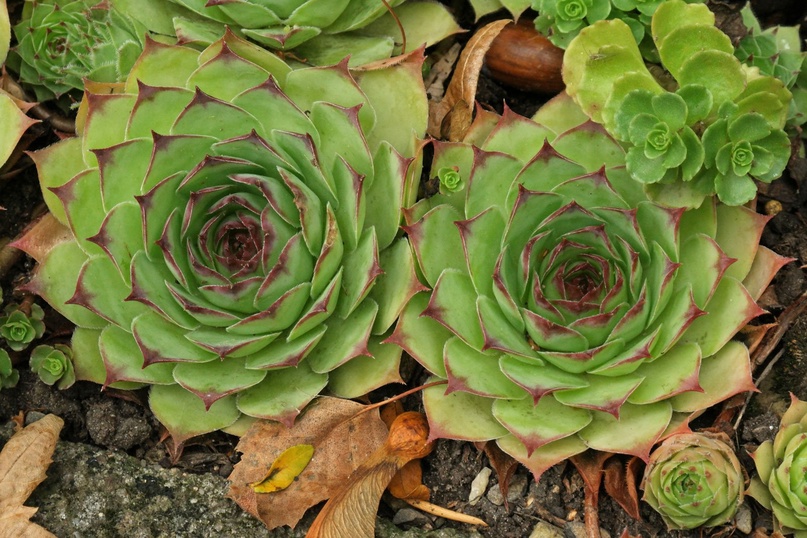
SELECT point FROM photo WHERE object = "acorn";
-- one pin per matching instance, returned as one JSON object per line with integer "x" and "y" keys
{"x": 522, "y": 58}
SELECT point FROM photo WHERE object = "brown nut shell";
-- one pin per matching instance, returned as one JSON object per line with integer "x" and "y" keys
{"x": 524, "y": 59}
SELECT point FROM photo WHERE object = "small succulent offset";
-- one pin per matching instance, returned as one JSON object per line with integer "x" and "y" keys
{"x": 321, "y": 33}
{"x": 694, "y": 480}
{"x": 777, "y": 52}
{"x": 19, "y": 329}
{"x": 234, "y": 230}
{"x": 782, "y": 481}
{"x": 9, "y": 376}
{"x": 717, "y": 129}
{"x": 566, "y": 310}
{"x": 62, "y": 42}
{"x": 54, "y": 364}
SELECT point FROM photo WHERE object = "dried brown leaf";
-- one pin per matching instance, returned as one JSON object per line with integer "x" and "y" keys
{"x": 620, "y": 483}
{"x": 504, "y": 465}
{"x": 451, "y": 117}
{"x": 352, "y": 510}
{"x": 23, "y": 462}
{"x": 342, "y": 440}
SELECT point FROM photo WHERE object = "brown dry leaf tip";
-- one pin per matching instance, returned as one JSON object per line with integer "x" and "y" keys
{"x": 352, "y": 510}
{"x": 620, "y": 483}
{"x": 451, "y": 117}
{"x": 504, "y": 465}
{"x": 23, "y": 463}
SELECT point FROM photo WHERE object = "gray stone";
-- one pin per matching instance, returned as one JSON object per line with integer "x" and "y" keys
{"x": 743, "y": 519}
{"x": 546, "y": 530}
{"x": 577, "y": 529}
{"x": 96, "y": 493}
{"x": 410, "y": 516}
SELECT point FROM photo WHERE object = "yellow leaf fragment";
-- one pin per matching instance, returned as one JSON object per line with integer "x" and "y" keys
{"x": 5, "y": 31}
{"x": 285, "y": 469}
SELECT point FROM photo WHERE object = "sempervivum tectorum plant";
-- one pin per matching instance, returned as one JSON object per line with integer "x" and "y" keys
{"x": 62, "y": 42}
{"x": 694, "y": 480}
{"x": 566, "y": 311}
{"x": 782, "y": 482}
{"x": 233, "y": 230}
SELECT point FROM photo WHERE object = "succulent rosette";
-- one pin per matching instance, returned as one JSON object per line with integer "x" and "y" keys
{"x": 62, "y": 42}
{"x": 233, "y": 230}
{"x": 562, "y": 20}
{"x": 782, "y": 485}
{"x": 659, "y": 132}
{"x": 566, "y": 310}
{"x": 694, "y": 480}
{"x": 319, "y": 32}
{"x": 19, "y": 329}
{"x": 54, "y": 364}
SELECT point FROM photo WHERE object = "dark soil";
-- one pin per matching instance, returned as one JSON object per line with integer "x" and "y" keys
{"x": 121, "y": 422}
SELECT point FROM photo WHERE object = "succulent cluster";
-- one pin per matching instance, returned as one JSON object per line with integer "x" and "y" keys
{"x": 562, "y": 20}
{"x": 320, "y": 33}
{"x": 694, "y": 480}
{"x": 782, "y": 484}
{"x": 777, "y": 52}
{"x": 62, "y": 42}
{"x": 717, "y": 130}
{"x": 234, "y": 263}
{"x": 566, "y": 310}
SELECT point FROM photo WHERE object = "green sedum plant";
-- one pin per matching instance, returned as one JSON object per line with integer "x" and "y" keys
{"x": 233, "y": 231}
{"x": 53, "y": 364}
{"x": 777, "y": 52}
{"x": 9, "y": 376}
{"x": 735, "y": 113}
{"x": 780, "y": 464}
{"x": 19, "y": 329}
{"x": 318, "y": 32}
{"x": 694, "y": 480}
{"x": 567, "y": 311}
{"x": 62, "y": 42}
{"x": 562, "y": 20}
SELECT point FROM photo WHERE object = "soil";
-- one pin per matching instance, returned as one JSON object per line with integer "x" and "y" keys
{"x": 119, "y": 421}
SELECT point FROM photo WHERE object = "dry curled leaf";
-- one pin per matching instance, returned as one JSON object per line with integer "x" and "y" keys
{"x": 451, "y": 117}
{"x": 342, "y": 438}
{"x": 352, "y": 510}
{"x": 23, "y": 462}
{"x": 620, "y": 483}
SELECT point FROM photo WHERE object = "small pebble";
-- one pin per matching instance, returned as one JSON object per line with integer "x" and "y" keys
{"x": 33, "y": 416}
{"x": 495, "y": 495}
{"x": 479, "y": 485}
{"x": 743, "y": 519}
{"x": 409, "y": 516}
{"x": 546, "y": 530}
{"x": 577, "y": 529}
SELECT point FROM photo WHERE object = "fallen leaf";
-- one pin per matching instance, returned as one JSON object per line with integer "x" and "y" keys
{"x": 352, "y": 510}
{"x": 285, "y": 469}
{"x": 23, "y": 462}
{"x": 407, "y": 483}
{"x": 452, "y": 116}
{"x": 504, "y": 465}
{"x": 620, "y": 483}
{"x": 342, "y": 438}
